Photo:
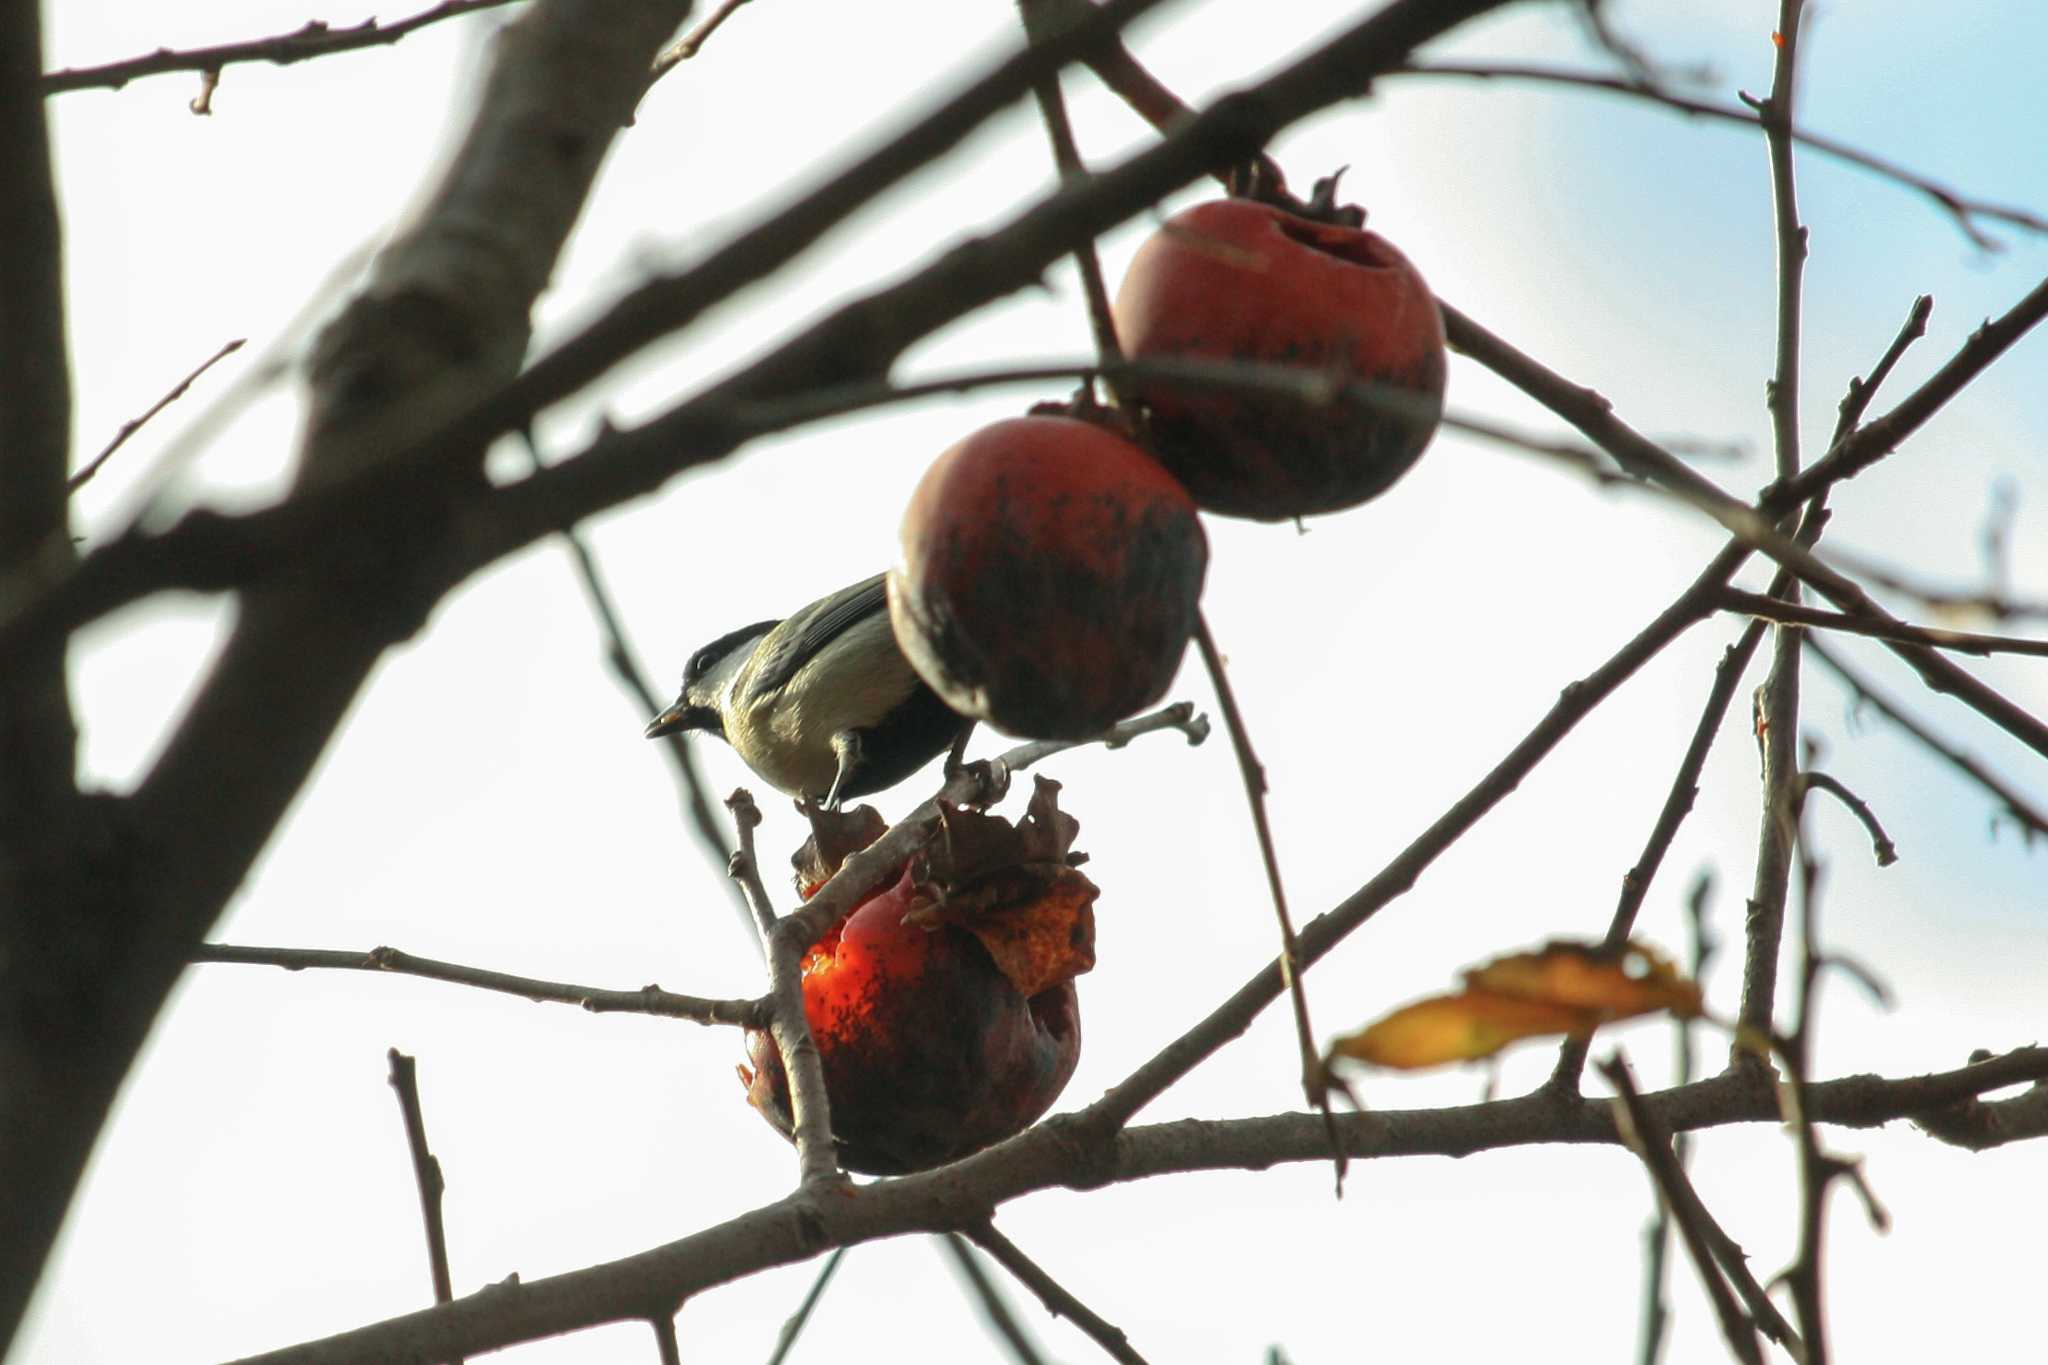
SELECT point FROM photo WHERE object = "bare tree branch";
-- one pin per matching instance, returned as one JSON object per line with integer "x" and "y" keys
{"x": 1963, "y": 208}
{"x": 1315, "y": 1082}
{"x": 690, "y": 43}
{"x": 1593, "y": 416}
{"x": 1887, "y": 853}
{"x": 135, "y": 424}
{"x": 57, "y": 944}
{"x": 1652, "y": 1145}
{"x": 2031, "y": 820}
{"x": 1058, "y": 1153}
{"x": 995, "y": 1309}
{"x": 1057, "y": 1300}
{"x": 1635, "y": 883}
{"x": 1934, "y": 637}
{"x": 426, "y": 1172}
{"x": 316, "y": 39}
{"x": 647, "y": 1000}
{"x": 666, "y": 1348}
{"x": 794, "y": 1327}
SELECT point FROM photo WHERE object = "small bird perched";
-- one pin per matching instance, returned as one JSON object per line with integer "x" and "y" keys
{"x": 821, "y": 705}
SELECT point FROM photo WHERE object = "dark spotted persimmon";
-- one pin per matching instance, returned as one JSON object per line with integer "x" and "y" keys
{"x": 1239, "y": 280}
{"x": 1049, "y": 576}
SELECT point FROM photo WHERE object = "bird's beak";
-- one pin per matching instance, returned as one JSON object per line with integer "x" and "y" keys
{"x": 681, "y": 717}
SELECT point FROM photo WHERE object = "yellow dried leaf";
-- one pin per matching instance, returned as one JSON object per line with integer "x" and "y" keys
{"x": 1455, "y": 1028}
{"x": 1562, "y": 987}
{"x": 1635, "y": 980}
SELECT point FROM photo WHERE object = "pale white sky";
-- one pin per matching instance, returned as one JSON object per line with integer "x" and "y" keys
{"x": 491, "y": 801}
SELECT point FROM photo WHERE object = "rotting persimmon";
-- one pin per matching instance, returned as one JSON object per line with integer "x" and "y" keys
{"x": 944, "y": 1006}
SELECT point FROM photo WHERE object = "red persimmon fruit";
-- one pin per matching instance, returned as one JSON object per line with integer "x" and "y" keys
{"x": 929, "y": 1051}
{"x": 1049, "y": 576}
{"x": 1241, "y": 280}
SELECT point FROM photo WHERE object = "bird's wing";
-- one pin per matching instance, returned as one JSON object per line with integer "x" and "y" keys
{"x": 797, "y": 641}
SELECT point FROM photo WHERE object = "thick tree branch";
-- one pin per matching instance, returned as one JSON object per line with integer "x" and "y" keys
{"x": 1060, "y": 1154}
{"x": 443, "y": 320}
{"x": 56, "y": 944}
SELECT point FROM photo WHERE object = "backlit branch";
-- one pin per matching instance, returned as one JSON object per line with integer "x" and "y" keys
{"x": 316, "y": 38}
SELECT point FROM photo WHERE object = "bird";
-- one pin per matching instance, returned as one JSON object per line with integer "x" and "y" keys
{"x": 821, "y": 705}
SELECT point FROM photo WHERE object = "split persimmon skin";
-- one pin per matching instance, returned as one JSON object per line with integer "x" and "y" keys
{"x": 929, "y": 1052}
{"x": 1049, "y": 577}
{"x": 1237, "y": 280}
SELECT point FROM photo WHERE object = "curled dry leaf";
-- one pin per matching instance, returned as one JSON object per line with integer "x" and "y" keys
{"x": 1014, "y": 887}
{"x": 1562, "y": 987}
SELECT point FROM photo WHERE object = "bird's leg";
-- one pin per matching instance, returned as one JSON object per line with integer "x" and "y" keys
{"x": 959, "y": 749}
{"x": 991, "y": 777}
{"x": 846, "y": 744}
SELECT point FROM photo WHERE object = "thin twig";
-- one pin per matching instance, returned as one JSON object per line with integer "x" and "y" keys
{"x": 1849, "y": 412}
{"x": 1657, "y": 1236}
{"x": 135, "y": 424}
{"x": 1678, "y": 801}
{"x": 665, "y": 1344}
{"x": 1040, "y": 23}
{"x": 647, "y": 1000}
{"x": 1960, "y": 207}
{"x": 1594, "y": 417}
{"x": 1777, "y": 700}
{"x": 1057, "y": 1300}
{"x": 1145, "y": 93}
{"x": 1314, "y": 1080}
{"x": 426, "y": 1170}
{"x": 686, "y": 46}
{"x": 1982, "y": 603}
{"x": 994, "y": 1307}
{"x": 631, "y": 674}
{"x": 315, "y": 39}
{"x": 1881, "y": 844}
{"x": 1180, "y": 716}
{"x": 2033, "y": 822}
{"x": 1934, "y": 637}
{"x": 1652, "y": 1144}
{"x": 794, "y": 1326}
{"x": 745, "y": 869}
{"x": 1816, "y": 1169}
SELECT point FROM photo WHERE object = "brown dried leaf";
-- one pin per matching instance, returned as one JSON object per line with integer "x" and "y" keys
{"x": 1013, "y": 887}
{"x": 1038, "y": 923}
